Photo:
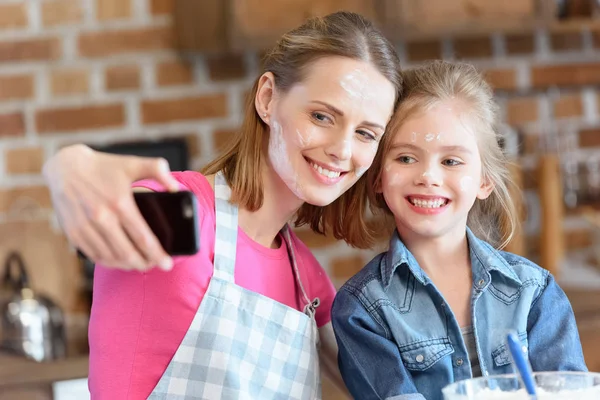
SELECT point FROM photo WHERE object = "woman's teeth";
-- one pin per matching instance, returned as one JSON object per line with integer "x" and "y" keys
{"x": 325, "y": 172}
{"x": 437, "y": 203}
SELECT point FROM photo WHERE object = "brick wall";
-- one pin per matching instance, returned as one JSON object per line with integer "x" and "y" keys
{"x": 100, "y": 71}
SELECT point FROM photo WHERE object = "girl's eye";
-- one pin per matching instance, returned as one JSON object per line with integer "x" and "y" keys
{"x": 451, "y": 163}
{"x": 406, "y": 160}
{"x": 366, "y": 135}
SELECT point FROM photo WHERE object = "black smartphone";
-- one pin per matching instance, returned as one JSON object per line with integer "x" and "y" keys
{"x": 173, "y": 217}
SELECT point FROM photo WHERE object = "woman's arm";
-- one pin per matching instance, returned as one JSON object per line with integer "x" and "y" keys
{"x": 92, "y": 197}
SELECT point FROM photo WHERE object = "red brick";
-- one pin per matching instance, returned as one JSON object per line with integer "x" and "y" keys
{"x": 521, "y": 110}
{"x": 424, "y": 50}
{"x": 226, "y": 67}
{"x": 80, "y": 118}
{"x": 565, "y": 75}
{"x": 60, "y": 12}
{"x": 566, "y": 41}
{"x": 475, "y": 47}
{"x": 190, "y": 108}
{"x": 104, "y": 43}
{"x": 25, "y": 160}
{"x": 13, "y": 16}
{"x": 589, "y": 138}
{"x": 568, "y": 106}
{"x": 12, "y": 124}
{"x": 158, "y": 7}
{"x": 501, "y": 79}
{"x": 345, "y": 267}
{"x": 39, "y": 194}
{"x": 221, "y": 138}
{"x": 30, "y": 50}
{"x": 16, "y": 87}
{"x": 112, "y": 9}
{"x": 69, "y": 81}
{"x": 519, "y": 44}
{"x": 174, "y": 73}
{"x": 122, "y": 77}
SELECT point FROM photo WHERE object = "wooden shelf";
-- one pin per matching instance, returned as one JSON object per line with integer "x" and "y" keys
{"x": 531, "y": 27}
{"x": 15, "y": 371}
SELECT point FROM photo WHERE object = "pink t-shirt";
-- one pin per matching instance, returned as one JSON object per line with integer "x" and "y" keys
{"x": 139, "y": 319}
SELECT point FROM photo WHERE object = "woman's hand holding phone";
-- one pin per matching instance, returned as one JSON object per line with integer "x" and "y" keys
{"x": 100, "y": 216}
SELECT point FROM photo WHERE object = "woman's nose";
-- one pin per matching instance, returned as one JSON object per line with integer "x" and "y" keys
{"x": 340, "y": 148}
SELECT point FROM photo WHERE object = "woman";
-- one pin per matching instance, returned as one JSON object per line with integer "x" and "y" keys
{"x": 222, "y": 325}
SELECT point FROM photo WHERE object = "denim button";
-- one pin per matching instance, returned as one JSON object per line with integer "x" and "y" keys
{"x": 459, "y": 362}
{"x": 481, "y": 282}
{"x": 419, "y": 358}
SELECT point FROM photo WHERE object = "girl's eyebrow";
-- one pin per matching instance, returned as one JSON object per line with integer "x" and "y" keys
{"x": 410, "y": 146}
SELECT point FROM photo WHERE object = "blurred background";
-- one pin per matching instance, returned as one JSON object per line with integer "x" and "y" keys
{"x": 168, "y": 78}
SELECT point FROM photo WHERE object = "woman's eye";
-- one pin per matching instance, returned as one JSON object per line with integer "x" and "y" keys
{"x": 321, "y": 117}
{"x": 366, "y": 135}
{"x": 451, "y": 163}
{"x": 406, "y": 159}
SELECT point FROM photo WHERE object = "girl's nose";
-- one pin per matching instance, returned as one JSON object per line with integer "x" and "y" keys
{"x": 430, "y": 176}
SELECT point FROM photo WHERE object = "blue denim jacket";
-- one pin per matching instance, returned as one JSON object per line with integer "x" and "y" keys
{"x": 398, "y": 340}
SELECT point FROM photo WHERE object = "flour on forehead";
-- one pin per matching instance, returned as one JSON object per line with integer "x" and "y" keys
{"x": 355, "y": 84}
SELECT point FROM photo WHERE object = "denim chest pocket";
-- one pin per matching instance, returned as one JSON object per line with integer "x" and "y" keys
{"x": 422, "y": 355}
{"x": 501, "y": 354}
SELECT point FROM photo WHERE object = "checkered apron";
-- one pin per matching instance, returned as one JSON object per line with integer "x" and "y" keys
{"x": 241, "y": 344}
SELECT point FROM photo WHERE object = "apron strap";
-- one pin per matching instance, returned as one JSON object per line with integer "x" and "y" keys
{"x": 310, "y": 306}
{"x": 226, "y": 230}
{"x": 226, "y": 242}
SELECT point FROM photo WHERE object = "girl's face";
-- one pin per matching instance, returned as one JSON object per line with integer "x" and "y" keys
{"x": 432, "y": 174}
{"x": 324, "y": 132}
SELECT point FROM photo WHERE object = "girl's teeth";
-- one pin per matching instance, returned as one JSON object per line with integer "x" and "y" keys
{"x": 428, "y": 203}
{"x": 325, "y": 172}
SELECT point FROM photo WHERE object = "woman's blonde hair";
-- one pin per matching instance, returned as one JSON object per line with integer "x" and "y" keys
{"x": 340, "y": 34}
{"x": 494, "y": 219}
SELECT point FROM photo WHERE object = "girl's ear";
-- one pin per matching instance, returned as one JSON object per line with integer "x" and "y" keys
{"x": 486, "y": 188}
{"x": 378, "y": 187}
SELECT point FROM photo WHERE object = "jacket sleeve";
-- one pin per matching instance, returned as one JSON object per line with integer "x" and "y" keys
{"x": 553, "y": 337}
{"x": 369, "y": 362}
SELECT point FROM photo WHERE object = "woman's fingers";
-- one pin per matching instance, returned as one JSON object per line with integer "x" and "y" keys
{"x": 141, "y": 235}
{"x": 93, "y": 199}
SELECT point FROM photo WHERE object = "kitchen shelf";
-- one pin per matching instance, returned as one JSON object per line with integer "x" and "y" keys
{"x": 19, "y": 371}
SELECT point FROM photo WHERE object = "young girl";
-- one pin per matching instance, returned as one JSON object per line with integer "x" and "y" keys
{"x": 239, "y": 319}
{"x": 436, "y": 307}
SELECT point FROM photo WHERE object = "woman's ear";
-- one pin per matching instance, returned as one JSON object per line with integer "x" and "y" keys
{"x": 265, "y": 94}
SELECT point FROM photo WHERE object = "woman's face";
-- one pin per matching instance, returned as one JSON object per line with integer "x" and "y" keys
{"x": 324, "y": 132}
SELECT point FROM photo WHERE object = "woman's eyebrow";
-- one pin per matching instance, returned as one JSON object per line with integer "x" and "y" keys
{"x": 339, "y": 112}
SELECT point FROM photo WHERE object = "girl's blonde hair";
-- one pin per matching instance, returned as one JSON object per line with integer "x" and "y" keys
{"x": 340, "y": 34}
{"x": 494, "y": 219}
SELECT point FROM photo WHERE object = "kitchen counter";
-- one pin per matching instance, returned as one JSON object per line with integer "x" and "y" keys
{"x": 18, "y": 371}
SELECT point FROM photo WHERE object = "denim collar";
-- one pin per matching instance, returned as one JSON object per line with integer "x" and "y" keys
{"x": 484, "y": 260}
